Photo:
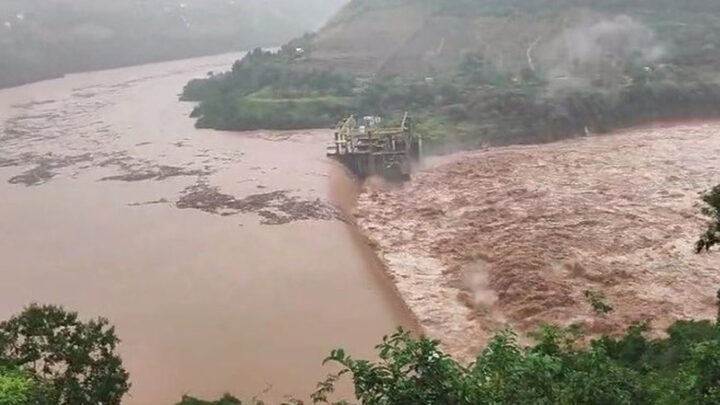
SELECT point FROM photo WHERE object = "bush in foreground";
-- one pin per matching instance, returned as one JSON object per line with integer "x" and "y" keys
{"x": 681, "y": 369}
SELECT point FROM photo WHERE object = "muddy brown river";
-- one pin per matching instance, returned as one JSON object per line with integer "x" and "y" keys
{"x": 222, "y": 258}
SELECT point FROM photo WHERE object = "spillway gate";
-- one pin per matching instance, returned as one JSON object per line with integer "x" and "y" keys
{"x": 369, "y": 149}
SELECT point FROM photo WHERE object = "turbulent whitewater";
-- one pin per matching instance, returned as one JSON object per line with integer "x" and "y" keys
{"x": 516, "y": 235}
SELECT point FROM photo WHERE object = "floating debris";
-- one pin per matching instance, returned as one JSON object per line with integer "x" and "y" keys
{"x": 161, "y": 172}
{"x": 275, "y": 208}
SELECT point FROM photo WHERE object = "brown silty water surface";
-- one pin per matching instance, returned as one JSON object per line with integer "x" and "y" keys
{"x": 516, "y": 235}
{"x": 223, "y": 258}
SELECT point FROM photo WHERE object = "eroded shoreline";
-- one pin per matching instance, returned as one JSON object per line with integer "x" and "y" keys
{"x": 515, "y": 235}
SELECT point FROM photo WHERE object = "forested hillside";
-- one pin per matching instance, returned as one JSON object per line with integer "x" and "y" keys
{"x": 48, "y": 38}
{"x": 486, "y": 71}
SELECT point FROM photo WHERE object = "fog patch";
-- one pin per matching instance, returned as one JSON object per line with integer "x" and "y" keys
{"x": 601, "y": 50}
{"x": 476, "y": 290}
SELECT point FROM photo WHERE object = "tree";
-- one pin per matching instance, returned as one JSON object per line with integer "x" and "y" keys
{"x": 76, "y": 359}
{"x": 711, "y": 237}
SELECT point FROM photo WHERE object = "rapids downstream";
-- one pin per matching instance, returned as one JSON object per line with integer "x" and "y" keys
{"x": 223, "y": 259}
{"x": 516, "y": 235}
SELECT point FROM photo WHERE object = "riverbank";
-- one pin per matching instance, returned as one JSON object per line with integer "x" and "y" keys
{"x": 516, "y": 235}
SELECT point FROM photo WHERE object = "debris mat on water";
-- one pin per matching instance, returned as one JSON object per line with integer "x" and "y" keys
{"x": 275, "y": 208}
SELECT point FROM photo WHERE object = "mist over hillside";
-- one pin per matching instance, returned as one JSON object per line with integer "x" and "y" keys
{"x": 423, "y": 37}
{"x": 47, "y": 38}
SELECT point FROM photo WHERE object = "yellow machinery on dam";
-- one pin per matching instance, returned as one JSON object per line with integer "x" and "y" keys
{"x": 368, "y": 149}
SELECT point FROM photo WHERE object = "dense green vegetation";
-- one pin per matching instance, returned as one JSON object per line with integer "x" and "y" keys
{"x": 49, "y": 38}
{"x": 263, "y": 91}
{"x": 475, "y": 106}
{"x": 683, "y": 368}
{"x": 649, "y": 61}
